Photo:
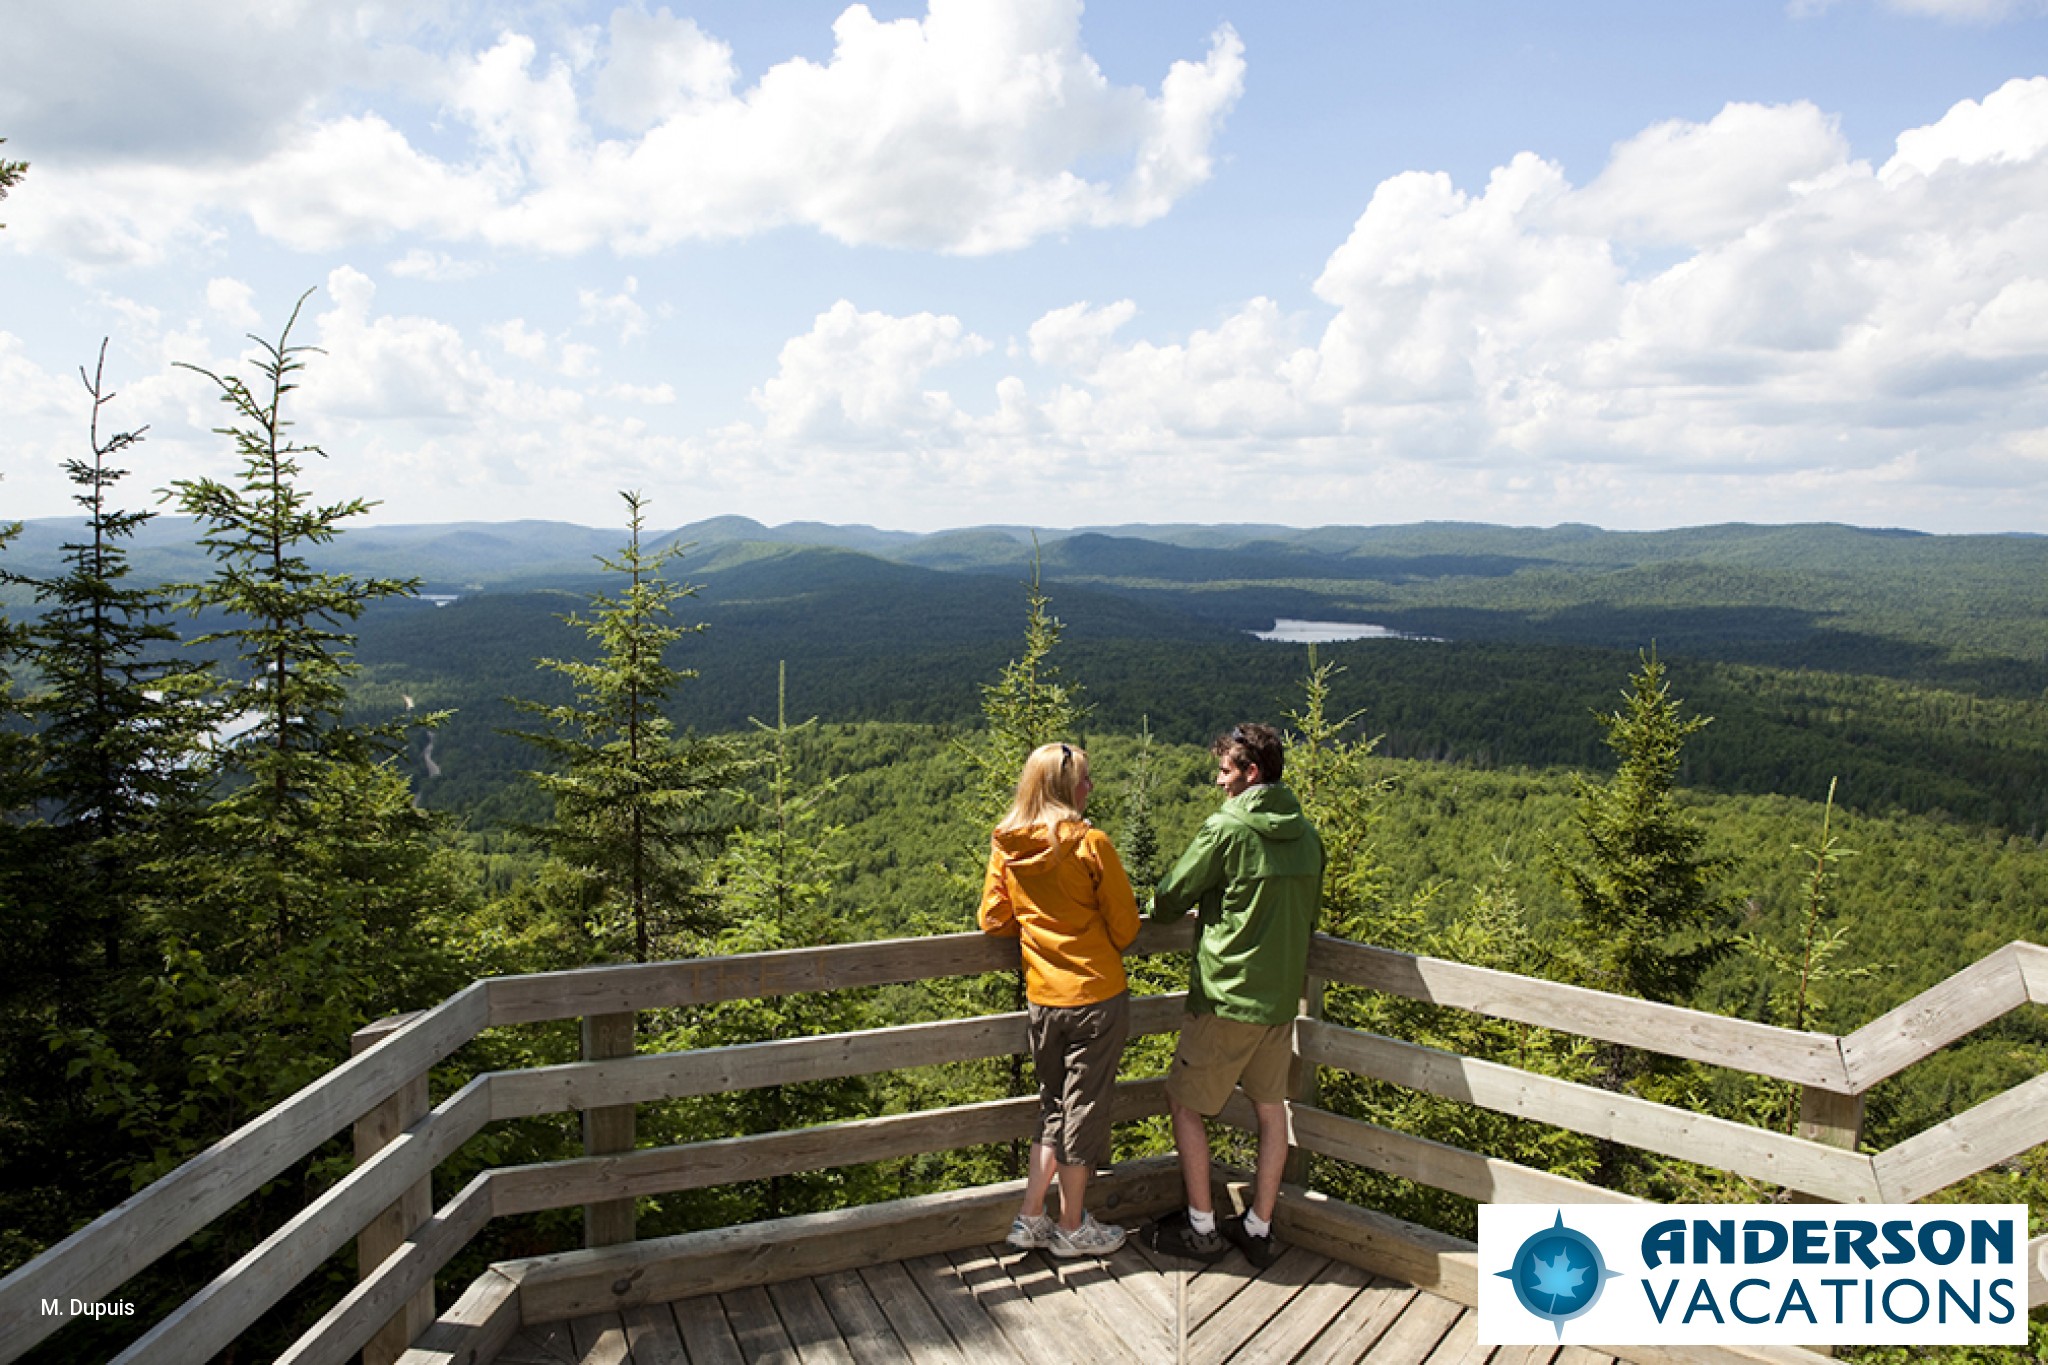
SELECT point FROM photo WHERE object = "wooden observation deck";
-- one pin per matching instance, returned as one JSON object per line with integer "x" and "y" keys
{"x": 926, "y": 1278}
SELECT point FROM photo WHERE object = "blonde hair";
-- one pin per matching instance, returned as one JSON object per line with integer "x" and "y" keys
{"x": 1048, "y": 790}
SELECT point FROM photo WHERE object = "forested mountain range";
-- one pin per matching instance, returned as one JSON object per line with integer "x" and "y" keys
{"x": 1913, "y": 667}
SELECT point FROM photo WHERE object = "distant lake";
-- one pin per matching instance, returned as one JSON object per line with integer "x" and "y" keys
{"x": 1323, "y": 632}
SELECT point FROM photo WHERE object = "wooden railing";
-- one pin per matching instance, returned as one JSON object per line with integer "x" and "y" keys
{"x": 403, "y": 1241}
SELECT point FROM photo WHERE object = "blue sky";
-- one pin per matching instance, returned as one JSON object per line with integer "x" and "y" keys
{"x": 919, "y": 266}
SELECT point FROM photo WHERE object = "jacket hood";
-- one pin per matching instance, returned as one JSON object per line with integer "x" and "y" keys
{"x": 1033, "y": 853}
{"x": 1270, "y": 811}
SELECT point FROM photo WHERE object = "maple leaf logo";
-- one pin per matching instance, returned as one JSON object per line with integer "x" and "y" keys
{"x": 1557, "y": 1278}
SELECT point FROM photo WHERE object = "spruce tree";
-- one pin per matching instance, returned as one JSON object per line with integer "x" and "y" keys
{"x": 636, "y": 803}
{"x": 1648, "y": 913}
{"x": 305, "y": 905}
{"x": 116, "y": 780}
{"x": 118, "y": 708}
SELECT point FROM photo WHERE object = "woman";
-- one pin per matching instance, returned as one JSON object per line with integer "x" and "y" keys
{"x": 1055, "y": 883}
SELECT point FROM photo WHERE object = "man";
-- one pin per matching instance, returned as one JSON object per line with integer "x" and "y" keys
{"x": 1255, "y": 874}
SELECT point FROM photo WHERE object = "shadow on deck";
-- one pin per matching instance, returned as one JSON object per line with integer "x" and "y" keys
{"x": 929, "y": 1280}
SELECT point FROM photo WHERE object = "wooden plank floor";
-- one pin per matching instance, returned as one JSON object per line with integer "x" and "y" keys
{"x": 1026, "y": 1308}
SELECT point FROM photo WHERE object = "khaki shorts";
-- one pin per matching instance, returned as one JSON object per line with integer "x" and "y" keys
{"x": 1075, "y": 1050}
{"x": 1215, "y": 1054}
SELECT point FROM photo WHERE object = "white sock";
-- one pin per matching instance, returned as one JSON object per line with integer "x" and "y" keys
{"x": 1255, "y": 1226}
{"x": 1202, "y": 1222}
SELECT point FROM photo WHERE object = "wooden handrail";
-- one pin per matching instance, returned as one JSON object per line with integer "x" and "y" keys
{"x": 94, "y": 1262}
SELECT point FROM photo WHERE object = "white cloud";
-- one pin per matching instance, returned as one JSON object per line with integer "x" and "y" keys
{"x": 980, "y": 127}
{"x": 857, "y": 376}
{"x": 619, "y": 310}
{"x": 1828, "y": 330}
{"x": 233, "y": 302}
{"x": 1076, "y": 336}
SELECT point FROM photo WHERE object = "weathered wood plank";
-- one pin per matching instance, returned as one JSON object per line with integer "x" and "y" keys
{"x": 406, "y": 1274}
{"x": 652, "y": 1337}
{"x": 1975, "y": 1140}
{"x": 1460, "y": 1345}
{"x": 391, "y": 1229}
{"x": 608, "y": 1130}
{"x": 1354, "y": 1332}
{"x": 1931, "y": 1020}
{"x": 910, "y": 1315}
{"x": 745, "y": 1066}
{"x": 756, "y": 1326}
{"x": 1487, "y": 1179}
{"x": 99, "y": 1258}
{"x": 811, "y": 1327}
{"x": 1035, "y": 1335}
{"x": 725, "y": 1161}
{"x": 1416, "y": 1332}
{"x": 862, "y": 1324}
{"x": 1262, "y": 1300}
{"x": 211, "y": 1319}
{"x": 600, "y": 1340}
{"x": 2033, "y": 963}
{"x": 705, "y": 1332}
{"x": 1309, "y": 1314}
{"x": 549, "y": 1344}
{"x": 571, "y": 1284}
{"x": 1408, "y": 1252}
{"x": 1146, "y": 1288}
{"x": 1845, "y": 1177}
{"x": 476, "y": 1329}
{"x": 955, "y": 1304}
{"x": 696, "y": 981}
{"x": 1083, "y": 1297}
{"x": 1806, "y": 1058}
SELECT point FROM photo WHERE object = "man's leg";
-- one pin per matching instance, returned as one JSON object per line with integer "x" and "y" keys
{"x": 1191, "y": 1141}
{"x": 1272, "y": 1158}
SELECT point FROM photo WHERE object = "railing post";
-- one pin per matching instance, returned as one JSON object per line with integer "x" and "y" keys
{"x": 1828, "y": 1117}
{"x": 608, "y": 1130}
{"x": 391, "y": 1229}
{"x": 1301, "y": 1076}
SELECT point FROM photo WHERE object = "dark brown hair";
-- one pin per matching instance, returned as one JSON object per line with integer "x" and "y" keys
{"x": 1253, "y": 745}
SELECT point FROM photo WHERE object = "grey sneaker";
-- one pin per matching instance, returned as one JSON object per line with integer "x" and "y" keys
{"x": 1090, "y": 1239}
{"x": 1027, "y": 1232}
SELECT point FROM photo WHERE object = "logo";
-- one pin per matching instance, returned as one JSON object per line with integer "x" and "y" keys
{"x": 1753, "y": 1274}
{"x": 1557, "y": 1273}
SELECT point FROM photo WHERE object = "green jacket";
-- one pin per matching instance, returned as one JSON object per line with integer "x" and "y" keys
{"x": 1255, "y": 869}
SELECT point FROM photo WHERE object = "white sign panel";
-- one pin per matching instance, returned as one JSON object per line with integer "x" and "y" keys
{"x": 1753, "y": 1275}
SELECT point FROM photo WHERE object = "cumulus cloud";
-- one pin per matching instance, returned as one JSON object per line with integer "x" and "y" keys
{"x": 1730, "y": 312}
{"x": 966, "y": 130}
{"x": 858, "y": 376}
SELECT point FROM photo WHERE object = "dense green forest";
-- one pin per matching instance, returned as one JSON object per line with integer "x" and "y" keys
{"x": 258, "y": 791}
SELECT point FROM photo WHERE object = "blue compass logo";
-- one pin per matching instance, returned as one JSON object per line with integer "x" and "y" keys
{"x": 1557, "y": 1273}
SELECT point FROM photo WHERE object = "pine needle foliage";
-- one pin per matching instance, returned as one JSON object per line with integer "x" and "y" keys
{"x": 636, "y": 803}
{"x": 120, "y": 711}
{"x": 287, "y": 626}
{"x": 1648, "y": 914}
{"x": 304, "y": 904}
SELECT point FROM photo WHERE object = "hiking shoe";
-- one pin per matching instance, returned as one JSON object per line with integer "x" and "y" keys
{"x": 1090, "y": 1239}
{"x": 1027, "y": 1232}
{"x": 1260, "y": 1251}
{"x": 1174, "y": 1235}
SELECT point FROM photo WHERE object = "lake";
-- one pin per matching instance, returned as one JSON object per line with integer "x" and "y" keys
{"x": 1323, "y": 632}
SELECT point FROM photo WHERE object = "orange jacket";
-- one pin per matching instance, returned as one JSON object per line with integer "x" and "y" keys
{"x": 1068, "y": 900}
